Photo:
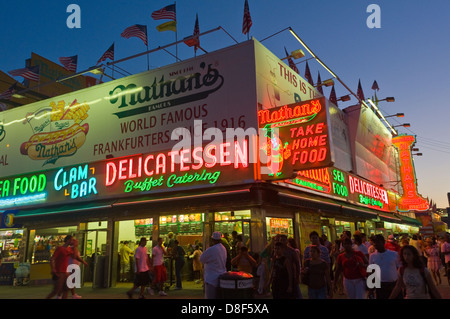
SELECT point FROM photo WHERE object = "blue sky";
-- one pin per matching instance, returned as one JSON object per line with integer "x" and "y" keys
{"x": 407, "y": 56}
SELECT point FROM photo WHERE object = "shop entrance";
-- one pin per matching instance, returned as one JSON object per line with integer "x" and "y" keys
{"x": 234, "y": 221}
{"x": 95, "y": 254}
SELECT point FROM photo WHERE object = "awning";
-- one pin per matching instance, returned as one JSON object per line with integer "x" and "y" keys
{"x": 389, "y": 217}
{"x": 148, "y": 199}
{"x": 409, "y": 221}
{"x": 325, "y": 204}
{"x": 67, "y": 208}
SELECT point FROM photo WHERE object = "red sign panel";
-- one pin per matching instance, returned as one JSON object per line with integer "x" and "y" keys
{"x": 297, "y": 137}
{"x": 411, "y": 199}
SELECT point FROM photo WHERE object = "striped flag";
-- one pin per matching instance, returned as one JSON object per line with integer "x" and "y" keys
{"x": 308, "y": 75}
{"x": 196, "y": 33}
{"x": 7, "y": 95}
{"x": 29, "y": 73}
{"x": 69, "y": 63}
{"x": 168, "y": 12}
{"x": 137, "y": 30}
{"x": 319, "y": 82}
{"x": 360, "y": 92}
{"x": 109, "y": 54}
{"x": 291, "y": 62}
{"x": 333, "y": 98}
{"x": 247, "y": 23}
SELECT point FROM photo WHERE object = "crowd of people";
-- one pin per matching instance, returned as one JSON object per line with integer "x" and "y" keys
{"x": 407, "y": 267}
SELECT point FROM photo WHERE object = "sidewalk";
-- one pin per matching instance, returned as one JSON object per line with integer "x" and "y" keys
{"x": 190, "y": 290}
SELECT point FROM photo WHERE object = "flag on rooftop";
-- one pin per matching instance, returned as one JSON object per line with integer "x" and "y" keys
{"x": 137, "y": 30}
{"x": 375, "y": 86}
{"x": 319, "y": 82}
{"x": 360, "y": 92}
{"x": 247, "y": 23}
{"x": 333, "y": 98}
{"x": 167, "y": 26}
{"x": 7, "y": 95}
{"x": 109, "y": 54}
{"x": 168, "y": 12}
{"x": 29, "y": 73}
{"x": 69, "y": 63}
{"x": 196, "y": 33}
{"x": 290, "y": 61}
{"x": 308, "y": 75}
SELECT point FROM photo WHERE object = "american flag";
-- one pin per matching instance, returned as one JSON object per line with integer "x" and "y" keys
{"x": 291, "y": 62}
{"x": 168, "y": 12}
{"x": 360, "y": 92}
{"x": 247, "y": 23}
{"x": 137, "y": 30}
{"x": 7, "y": 95}
{"x": 196, "y": 33}
{"x": 29, "y": 73}
{"x": 333, "y": 98}
{"x": 375, "y": 86}
{"x": 308, "y": 75}
{"x": 319, "y": 82}
{"x": 109, "y": 54}
{"x": 69, "y": 63}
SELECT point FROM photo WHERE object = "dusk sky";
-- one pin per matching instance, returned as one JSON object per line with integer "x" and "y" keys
{"x": 407, "y": 55}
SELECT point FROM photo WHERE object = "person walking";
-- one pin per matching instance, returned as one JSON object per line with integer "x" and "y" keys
{"x": 125, "y": 253}
{"x": 142, "y": 276}
{"x": 414, "y": 278}
{"x": 160, "y": 271}
{"x": 214, "y": 260}
{"x": 434, "y": 260}
{"x": 75, "y": 259}
{"x": 352, "y": 264}
{"x": 392, "y": 244}
{"x": 318, "y": 273}
{"x": 196, "y": 264}
{"x": 282, "y": 277}
{"x": 59, "y": 263}
{"x": 315, "y": 241}
{"x": 178, "y": 255}
{"x": 445, "y": 250}
{"x": 389, "y": 262}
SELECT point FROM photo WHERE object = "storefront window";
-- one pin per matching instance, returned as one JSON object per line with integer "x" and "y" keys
{"x": 279, "y": 226}
{"x": 227, "y": 222}
{"x": 47, "y": 240}
{"x": 11, "y": 245}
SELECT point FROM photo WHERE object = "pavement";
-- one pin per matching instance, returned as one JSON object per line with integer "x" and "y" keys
{"x": 190, "y": 291}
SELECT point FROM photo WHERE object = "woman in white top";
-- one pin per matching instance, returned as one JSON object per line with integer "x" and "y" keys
{"x": 414, "y": 278}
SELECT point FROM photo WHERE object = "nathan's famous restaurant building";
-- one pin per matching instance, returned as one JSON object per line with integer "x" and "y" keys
{"x": 150, "y": 154}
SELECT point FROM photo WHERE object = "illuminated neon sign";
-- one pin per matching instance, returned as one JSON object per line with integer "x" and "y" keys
{"x": 343, "y": 186}
{"x": 297, "y": 137}
{"x": 23, "y": 190}
{"x": 410, "y": 200}
{"x": 173, "y": 169}
{"x": 76, "y": 182}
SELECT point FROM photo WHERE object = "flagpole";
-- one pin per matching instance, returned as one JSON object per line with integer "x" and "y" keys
{"x": 148, "y": 62}
{"x": 163, "y": 47}
{"x": 176, "y": 33}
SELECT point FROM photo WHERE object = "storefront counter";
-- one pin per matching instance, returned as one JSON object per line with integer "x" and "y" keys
{"x": 40, "y": 273}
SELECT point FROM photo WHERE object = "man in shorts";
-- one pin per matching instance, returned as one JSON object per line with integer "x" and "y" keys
{"x": 160, "y": 272}
{"x": 141, "y": 269}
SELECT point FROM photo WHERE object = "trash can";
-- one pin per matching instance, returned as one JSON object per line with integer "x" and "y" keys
{"x": 236, "y": 285}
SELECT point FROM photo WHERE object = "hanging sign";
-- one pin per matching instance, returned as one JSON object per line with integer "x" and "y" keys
{"x": 411, "y": 199}
{"x": 296, "y": 137}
